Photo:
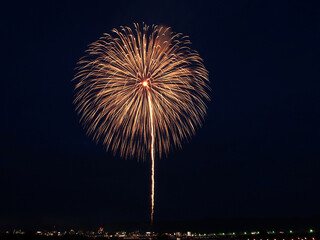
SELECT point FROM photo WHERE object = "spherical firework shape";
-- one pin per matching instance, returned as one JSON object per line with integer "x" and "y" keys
{"x": 139, "y": 82}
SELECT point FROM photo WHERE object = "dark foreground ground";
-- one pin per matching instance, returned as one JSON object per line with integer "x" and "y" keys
{"x": 294, "y": 228}
{"x": 261, "y": 235}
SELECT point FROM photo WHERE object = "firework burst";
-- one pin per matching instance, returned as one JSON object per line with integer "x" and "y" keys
{"x": 140, "y": 91}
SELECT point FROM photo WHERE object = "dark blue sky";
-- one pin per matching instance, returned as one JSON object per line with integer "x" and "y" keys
{"x": 256, "y": 155}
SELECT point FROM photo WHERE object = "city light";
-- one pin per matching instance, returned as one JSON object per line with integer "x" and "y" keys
{"x": 101, "y": 232}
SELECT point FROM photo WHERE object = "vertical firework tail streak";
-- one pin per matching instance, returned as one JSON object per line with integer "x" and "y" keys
{"x": 141, "y": 91}
{"x": 152, "y": 157}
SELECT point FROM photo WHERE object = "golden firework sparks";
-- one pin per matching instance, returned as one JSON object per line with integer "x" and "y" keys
{"x": 141, "y": 91}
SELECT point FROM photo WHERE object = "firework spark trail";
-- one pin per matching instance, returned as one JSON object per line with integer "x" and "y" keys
{"x": 152, "y": 157}
{"x": 141, "y": 83}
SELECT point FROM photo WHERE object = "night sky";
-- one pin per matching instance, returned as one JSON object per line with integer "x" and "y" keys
{"x": 257, "y": 154}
